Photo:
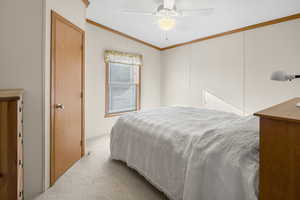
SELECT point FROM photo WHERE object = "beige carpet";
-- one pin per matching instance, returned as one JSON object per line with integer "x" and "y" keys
{"x": 96, "y": 177}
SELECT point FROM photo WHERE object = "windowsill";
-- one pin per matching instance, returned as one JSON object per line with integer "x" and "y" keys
{"x": 109, "y": 115}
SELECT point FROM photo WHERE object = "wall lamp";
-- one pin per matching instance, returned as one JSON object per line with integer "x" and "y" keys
{"x": 283, "y": 76}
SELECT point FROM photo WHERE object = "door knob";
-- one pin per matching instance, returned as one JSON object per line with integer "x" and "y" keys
{"x": 59, "y": 106}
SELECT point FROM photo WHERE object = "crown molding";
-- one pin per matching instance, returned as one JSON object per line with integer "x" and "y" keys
{"x": 246, "y": 28}
{"x": 122, "y": 34}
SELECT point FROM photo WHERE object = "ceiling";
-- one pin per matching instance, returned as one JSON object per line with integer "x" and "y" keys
{"x": 227, "y": 15}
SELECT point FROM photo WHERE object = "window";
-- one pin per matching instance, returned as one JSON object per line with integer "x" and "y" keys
{"x": 122, "y": 83}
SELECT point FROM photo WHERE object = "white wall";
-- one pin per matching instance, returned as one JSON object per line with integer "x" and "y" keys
{"x": 97, "y": 41}
{"x": 75, "y": 12}
{"x": 25, "y": 63}
{"x": 235, "y": 68}
{"x": 21, "y": 67}
{"x": 269, "y": 49}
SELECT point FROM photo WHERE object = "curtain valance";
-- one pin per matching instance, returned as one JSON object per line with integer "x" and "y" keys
{"x": 121, "y": 57}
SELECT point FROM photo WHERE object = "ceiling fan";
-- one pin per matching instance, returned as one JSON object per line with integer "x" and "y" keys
{"x": 167, "y": 12}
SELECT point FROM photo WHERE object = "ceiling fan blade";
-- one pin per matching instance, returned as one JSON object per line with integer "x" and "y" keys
{"x": 197, "y": 12}
{"x": 169, "y": 4}
{"x": 133, "y": 12}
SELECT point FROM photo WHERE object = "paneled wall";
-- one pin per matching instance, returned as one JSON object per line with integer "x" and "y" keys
{"x": 235, "y": 68}
{"x": 97, "y": 41}
{"x": 269, "y": 49}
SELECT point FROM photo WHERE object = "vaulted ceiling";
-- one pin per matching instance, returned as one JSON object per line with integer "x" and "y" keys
{"x": 227, "y": 15}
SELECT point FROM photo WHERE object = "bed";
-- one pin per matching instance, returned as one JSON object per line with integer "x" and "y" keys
{"x": 191, "y": 153}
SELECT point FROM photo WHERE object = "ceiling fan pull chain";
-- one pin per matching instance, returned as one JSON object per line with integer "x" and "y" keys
{"x": 166, "y": 35}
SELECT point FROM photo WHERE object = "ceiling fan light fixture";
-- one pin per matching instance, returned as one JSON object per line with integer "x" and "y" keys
{"x": 166, "y": 23}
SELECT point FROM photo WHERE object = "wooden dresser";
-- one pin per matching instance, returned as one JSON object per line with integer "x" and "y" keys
{"x": 280, "y": 152}
{"x": 11, "y": 145}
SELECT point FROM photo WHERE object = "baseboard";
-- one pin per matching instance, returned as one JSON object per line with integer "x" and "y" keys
{"x": 95, "y": 137}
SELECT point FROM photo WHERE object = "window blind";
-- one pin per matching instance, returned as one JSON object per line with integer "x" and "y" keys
{"x": 123, "y": 81}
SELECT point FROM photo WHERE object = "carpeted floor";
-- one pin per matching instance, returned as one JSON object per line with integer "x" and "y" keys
{"x": 96, "y": 177}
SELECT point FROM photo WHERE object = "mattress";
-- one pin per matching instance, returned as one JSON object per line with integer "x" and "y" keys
{"x": 191, "y": 153}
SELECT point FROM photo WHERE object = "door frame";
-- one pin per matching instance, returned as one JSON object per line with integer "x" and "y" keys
{"x": 56, "y": 16}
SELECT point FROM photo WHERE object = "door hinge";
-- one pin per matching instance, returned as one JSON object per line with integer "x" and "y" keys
{"x": 81, "y": 143}
{"x": 81, "y": 94}
{"x": 21, "y": 164}
{"x": 21, "y": 194}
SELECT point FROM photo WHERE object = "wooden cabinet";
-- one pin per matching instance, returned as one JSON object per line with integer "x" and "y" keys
{"x": 11, "y": 145}
{"x": 280, "y": 152}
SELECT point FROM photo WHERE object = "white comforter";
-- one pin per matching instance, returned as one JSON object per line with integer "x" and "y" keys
{"x": 190, "y": 153}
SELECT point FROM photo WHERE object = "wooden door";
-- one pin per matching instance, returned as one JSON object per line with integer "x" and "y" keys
{"x": 67, "y": 125}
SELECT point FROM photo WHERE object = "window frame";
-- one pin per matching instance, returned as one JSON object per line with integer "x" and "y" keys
{"x": 138, "y": 91}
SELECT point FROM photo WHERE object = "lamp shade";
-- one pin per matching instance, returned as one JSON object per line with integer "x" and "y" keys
{"x": 282, "y": 76}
